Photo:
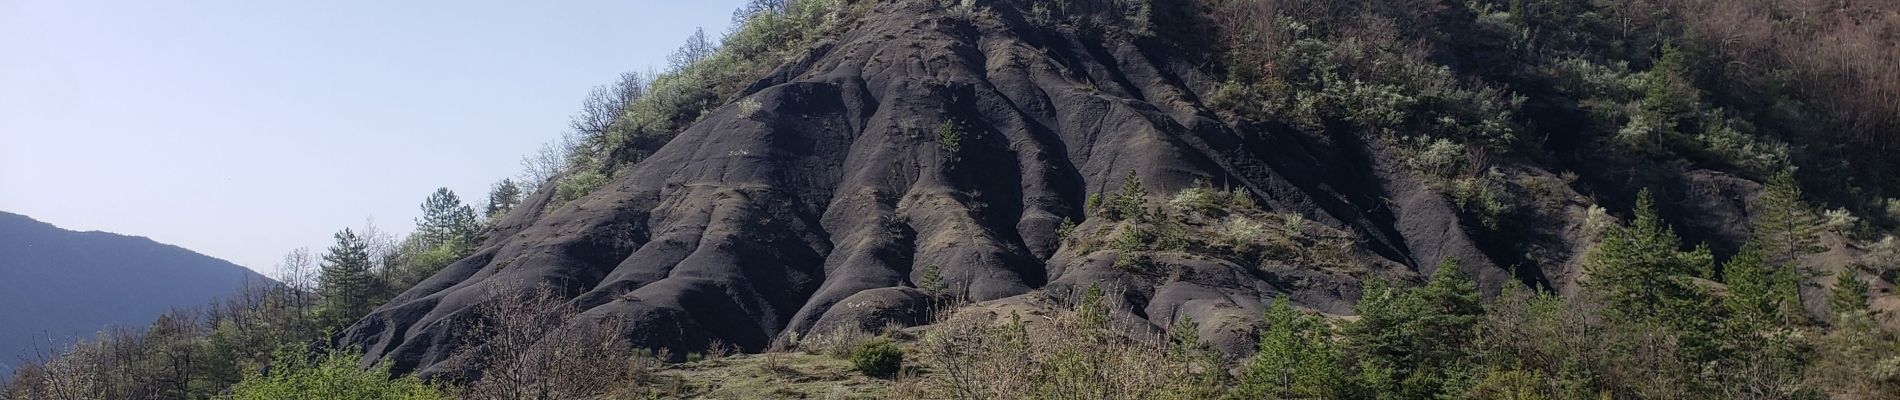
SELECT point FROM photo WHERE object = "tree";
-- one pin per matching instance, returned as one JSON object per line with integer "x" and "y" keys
{"x": 604, "y": 107}
{"x": 446, "y": 221}
{"x": 503, "y": 197}
{"x": 697, "y": 47}
{"x": 1849, "y": 294}
{"x": 345, "y": 280}
{"x": 1642, "y": 271}
{"x": 1787, "y": 228}
{"x": 1296, "y": 359}
{"x": 1420, "y": 335}
{"x": 510, "y": 346}
{"x": 1759, "y": 295}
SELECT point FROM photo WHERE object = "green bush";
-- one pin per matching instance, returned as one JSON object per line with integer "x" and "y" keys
{"x": 877, "y": 357}
{"x": 337, "y": 375}
{"x": 577, "y": 185}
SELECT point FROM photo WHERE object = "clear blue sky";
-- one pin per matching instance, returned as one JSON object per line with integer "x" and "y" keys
{"x": 245, "y": 128}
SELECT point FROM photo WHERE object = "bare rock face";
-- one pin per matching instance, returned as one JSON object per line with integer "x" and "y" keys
{"x": 817, "y": 199}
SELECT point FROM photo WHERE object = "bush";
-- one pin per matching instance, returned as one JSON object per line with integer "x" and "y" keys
{"x": 577, "y": 185}
{"x": 1196, "y": 200}
{"x": 877, "y": 357}
{"x": 337, "y": 375}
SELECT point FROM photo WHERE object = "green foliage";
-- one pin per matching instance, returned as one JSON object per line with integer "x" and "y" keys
{"x": 1420, "y": 336}
{"x": 345, "y": 281}
{"x": 1131, "y": 246}
{"x": 1127, "y": 203}
{"x": 336, "y": 375}
{"x": 1760, "y": 295}
{"x": 446, "y": 220}
{"x": 1786, "y": 226}
{"x": 1066, "y": 229}
{"x": 503, "y": 197}
{"x": 1642, "y": 271}
{"x": 1197, "y": 200}
{"x": 1297, "y": 358}
{"x": 1849, "y": 294}
{"x": 878, "y": 357}
{"x": 950, "y": 137}
{"x": 1091, "y": 310}
{"x": 932, "y": 282}
{"x": 577, "y": 184}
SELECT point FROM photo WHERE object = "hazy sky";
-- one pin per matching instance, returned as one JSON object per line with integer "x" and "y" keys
{"x": 245, "y": 128}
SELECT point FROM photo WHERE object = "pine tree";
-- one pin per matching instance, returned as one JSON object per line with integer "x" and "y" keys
{"x": 1127, "y": 202}
{"x": 1786, "y": 227}
{"x": 1296, "y": 359}
{"x": 446, "y": 221}
{"x": 1420, "y": 334}
{"x": 345, "y": 280}
{"x": 1642, "y": 271}
{"x": 503, "y": 198}
{"x": 1759, "y": 295}
{"x": 1849, "y": 294}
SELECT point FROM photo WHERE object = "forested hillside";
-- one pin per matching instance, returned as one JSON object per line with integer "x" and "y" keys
{"x": 58, "y": 287}
{"x": 1388, "y": 199}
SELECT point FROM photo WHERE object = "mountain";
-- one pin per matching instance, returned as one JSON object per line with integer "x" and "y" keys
{"x": 998, "y": 156}
{"x": 60, "y": 284}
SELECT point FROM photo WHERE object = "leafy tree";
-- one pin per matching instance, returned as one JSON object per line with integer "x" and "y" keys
{"x": 1297, "y": 358}
{"x": 336, "y": 375}
{"x": 503, "y": 197}
{"x": 345, "y": 280}
{"x": 446, "y": 221}
{"x": 1642, "y": 271}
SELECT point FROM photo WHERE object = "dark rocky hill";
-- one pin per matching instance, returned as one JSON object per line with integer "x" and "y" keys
{"x": 923, "y": 142}
{"x": 60, "y": 285}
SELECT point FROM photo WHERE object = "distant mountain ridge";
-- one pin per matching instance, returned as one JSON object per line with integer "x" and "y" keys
{"x": 64, "y": 284}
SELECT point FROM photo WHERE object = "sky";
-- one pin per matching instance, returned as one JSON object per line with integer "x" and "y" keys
{"x": 243, "y": 129}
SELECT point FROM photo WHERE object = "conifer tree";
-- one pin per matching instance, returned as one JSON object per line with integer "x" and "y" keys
{"x": 1420, "y": 334}
{"x": 445, "y": 220}
{"x": 1786, "y": 227}
{"x": 1758, "y": 294}
{"x": 1642, "y": 271}
{"x": 1849, "y": 294}
{"x": 1297, "y": 359}
{"x": 345, "y": 280}
{"x": 503, "y": 198}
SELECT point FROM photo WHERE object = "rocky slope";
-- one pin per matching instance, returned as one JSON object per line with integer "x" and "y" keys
{"x": 820, "y": 198}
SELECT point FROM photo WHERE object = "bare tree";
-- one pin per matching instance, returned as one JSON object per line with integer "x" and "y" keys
{"x": 550, "y": 161}
{"x": 697, "y": 47}
{"x": 530, "y": 344}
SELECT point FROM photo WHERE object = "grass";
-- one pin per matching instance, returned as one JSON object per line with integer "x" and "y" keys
{"x": 785, "y": 375}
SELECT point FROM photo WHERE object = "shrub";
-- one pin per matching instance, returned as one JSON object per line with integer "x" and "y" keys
{"x": 877, "y": 357}
{"x": 1196, "y": 200}
{"x": 336, "y": 375}
{"x": 1438, "y": 158}
{"x": 579, "y": 184}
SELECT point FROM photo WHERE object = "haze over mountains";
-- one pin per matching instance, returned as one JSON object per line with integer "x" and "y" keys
{"x": 63, "y": 284}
